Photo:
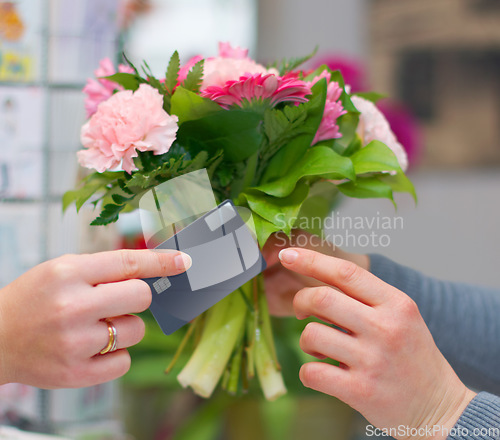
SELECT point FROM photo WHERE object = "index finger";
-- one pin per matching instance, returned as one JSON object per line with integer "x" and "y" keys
{"x": 112, "y": 266}
{"x": 345, "y": 275}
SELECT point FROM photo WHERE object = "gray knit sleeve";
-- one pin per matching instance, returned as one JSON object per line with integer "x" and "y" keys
{"x": 463, "y": 319}
{"x": 480, "y": 420}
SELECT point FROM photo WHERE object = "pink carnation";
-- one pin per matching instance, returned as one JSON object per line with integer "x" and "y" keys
{"x": 328, "y": 128}
{"x": 258, "y": 88}
{"x": 374, "y": 126}
{"x": 230, "y": 65}
{"x": 99, "y": 90}
{"x": 227, "y": 51}
{"x": 126, "y": 123}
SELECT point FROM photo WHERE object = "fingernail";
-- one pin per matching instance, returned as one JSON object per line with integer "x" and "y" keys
{"x": 288, "y": 255}
{"x": 183, "y": 261}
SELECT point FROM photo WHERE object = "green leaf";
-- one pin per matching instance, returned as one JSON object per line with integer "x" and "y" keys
{"x": 128, "y": 81}
{"x": 319, "y": 203}
{"x": 367, "y": 187}
{"x": 287, "y": 65}
{"x": 121, "y": 200}
{"x": 375, "y": 157}
{"x": 281, "y": 211}
{"x": 295, "y": 149}
{"x": 189, "y": 106}
{"x": 237, "y": 133}
{"x": 81, "y": 195}
{"x": 371, "y": 96}
{"x": 399, "y": 183}
{"x": 172, "y": 74}
{"x": 194, "y": 77}
{"x": 263, "y": 228}
{"x": 348, "y": 125}
{"x": 108, "y": 215}
{"x": 318, "y": 161}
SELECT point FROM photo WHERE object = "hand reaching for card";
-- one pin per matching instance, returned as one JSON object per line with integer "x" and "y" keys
{"x": 52, "y": 318}
{"x": 390, "y": 368}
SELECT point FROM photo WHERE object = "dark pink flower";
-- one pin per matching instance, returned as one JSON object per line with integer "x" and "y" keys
{"x": 328, "y": 128}
{"x": 99, "y": 90}
{"x": 259, "y": 88}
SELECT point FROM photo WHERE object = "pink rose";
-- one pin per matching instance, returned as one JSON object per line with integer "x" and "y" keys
{"x": 98, "y": 90}
{"x": 126, "y": 123}
{"x": 374, "y": 126}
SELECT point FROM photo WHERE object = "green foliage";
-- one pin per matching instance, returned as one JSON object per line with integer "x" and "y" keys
{"x": 287, "y": 65}
{"x": 108, "y": 215}
{"x": 194, "y": 77}
{"x": 172, "y": 75}
{"x": 128, "y": 81}
{"x": 374, "y": 157}
{"x": 319, "y": 203}
{"x": 189, "y": 106}
{"x": 237, "y": 133}
{"x": 319, "y": 161}
{"x": 294, "y": 148}
{"x": 280, "y": 211}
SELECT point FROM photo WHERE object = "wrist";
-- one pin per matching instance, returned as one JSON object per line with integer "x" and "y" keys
{"x": 449, "y": 420}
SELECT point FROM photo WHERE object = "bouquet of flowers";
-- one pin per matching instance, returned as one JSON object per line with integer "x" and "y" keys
{"x": 277, "y": 140}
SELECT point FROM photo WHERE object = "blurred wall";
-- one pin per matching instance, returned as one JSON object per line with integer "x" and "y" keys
{"x": 291, "y": 28}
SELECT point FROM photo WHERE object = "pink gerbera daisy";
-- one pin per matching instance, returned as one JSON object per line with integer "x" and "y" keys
{"x": 259, "y": 88}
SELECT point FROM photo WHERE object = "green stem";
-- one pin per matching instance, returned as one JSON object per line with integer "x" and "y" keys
{"x": 266, "y": 361}
{"x": 182, "y": 345}
{"x": 223, "y": 326}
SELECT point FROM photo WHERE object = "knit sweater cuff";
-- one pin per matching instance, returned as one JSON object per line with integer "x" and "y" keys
{"x": 480, "y": 420}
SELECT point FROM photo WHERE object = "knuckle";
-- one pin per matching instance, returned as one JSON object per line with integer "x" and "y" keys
{"x": 407, "y": 308}
{"x": 322, "y": 298}
{"x": 140, "y": 329}
{"x": 164, "y": 262}
{"x": 348, "y": 272}
{"x": 311, "y": 375}
{"x": 130, "y": 264}
{"x": 364, "y": 390}
{"x": 63, "y": 268}
{"x": 298, "y": 301}
{"x": 125, "y": 363}
{"x": 309, "y": 336}
{"x": 307, "y": 375}
{"x": 311, "y": 261}
{"x": 144, "y": 296}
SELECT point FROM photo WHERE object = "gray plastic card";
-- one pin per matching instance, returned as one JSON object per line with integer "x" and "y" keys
{"x": 225, "y": 255}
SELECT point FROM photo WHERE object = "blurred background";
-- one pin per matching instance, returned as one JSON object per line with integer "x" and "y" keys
{"x": 438, "y": 60}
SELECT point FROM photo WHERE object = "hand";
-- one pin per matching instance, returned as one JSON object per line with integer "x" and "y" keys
{"x": 51, "y": 318}
{"x": 390, "y": 368}
{"x": 282, "y": 284}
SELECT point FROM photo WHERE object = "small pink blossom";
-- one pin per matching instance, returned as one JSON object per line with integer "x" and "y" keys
{"x": 126, "y": 123}
{"x": 374, "y": 126}
{"x": 99, "y": 90}
{"x": 259, "y": 88}
{"x": 328, "y": 128}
